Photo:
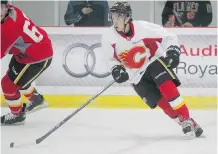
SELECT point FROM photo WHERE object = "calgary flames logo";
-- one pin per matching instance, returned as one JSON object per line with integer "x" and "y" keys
{"x": 133, "y": 58}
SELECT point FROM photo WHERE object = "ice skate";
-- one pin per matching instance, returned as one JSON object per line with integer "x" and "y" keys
{"x": 10, "y": 118}
{"x": 188, "y": 128}
{"x": 197, "y": 128}
{"x": 36, "y": 102}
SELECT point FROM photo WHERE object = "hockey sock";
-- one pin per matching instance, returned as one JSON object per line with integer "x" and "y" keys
{"x": 165, "y": 106}
{"x": 28, "y": 92}
{"x": 170, "y": 92}
{"x": 11, "y": 94}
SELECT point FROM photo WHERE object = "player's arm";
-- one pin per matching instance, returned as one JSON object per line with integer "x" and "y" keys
{"x": 171, "y": 47}
{"x": 7, "y": 45}
{"x": 117, "y": 70}
{"x": 5, "y": 49}
{"x": 169, "y": 44}
{"x": 73, "y": 14}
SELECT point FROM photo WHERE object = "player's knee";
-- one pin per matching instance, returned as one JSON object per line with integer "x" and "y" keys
{"x": 169, "y": 90}
{"x": 8, "y": 87}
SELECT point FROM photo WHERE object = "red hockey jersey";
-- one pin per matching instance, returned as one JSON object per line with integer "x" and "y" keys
{"x": 22, "y": 38}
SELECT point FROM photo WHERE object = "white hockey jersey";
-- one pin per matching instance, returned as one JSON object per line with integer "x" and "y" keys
{"x": 147, "y": 43}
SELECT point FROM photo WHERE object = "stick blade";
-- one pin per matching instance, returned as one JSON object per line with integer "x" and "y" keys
{"x": 20, "y": 144}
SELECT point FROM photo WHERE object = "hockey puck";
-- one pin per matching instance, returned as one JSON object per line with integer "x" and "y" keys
{"x": 12, "y": 144}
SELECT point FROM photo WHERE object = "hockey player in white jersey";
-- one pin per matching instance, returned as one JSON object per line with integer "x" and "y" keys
{"x": 144, "y": 54}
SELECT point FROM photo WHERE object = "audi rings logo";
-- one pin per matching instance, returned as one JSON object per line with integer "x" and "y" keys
{"x": 89, "y": 68}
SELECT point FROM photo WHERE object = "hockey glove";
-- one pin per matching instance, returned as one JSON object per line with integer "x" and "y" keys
{"x": 119, "y": 74}
{"x": 172, "y": 56}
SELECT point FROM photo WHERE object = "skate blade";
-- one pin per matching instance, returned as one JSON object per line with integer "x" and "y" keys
{"x": 198, "y": 132}
{"x": 15, "y": 124}
{"x": 38, "y": 108}
{"x": 191, "y": 134}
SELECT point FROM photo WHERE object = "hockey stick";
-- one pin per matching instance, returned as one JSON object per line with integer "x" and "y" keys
{"x": 40, "y": 139}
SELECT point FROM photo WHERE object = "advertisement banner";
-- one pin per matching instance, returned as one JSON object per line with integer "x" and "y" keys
{"x": 80, "y": 62}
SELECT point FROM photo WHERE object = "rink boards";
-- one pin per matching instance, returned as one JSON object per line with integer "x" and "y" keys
{"x": 73, "y": 101}
{"x": 79, "y": 70}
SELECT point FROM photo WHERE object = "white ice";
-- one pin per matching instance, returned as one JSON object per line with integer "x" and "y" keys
{"x": 107, "y": 131}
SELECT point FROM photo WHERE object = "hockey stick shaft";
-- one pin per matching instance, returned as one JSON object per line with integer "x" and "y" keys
{"x": 39, "y": 140}
{"x": 72, "y": 114}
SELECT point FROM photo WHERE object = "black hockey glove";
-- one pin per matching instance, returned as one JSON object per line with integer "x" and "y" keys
{"x": 172, "y": 56}
{"x": 119, "y": 74}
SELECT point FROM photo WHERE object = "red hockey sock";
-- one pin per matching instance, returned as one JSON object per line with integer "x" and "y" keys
{"x": 183, "y": 112}
{"x": 16, "y": 109}
{"x": 28, "y": 92}
{"x": 165, "y": 106}
{"x": 170, "y": 92}
{"x": 11, "y": 94}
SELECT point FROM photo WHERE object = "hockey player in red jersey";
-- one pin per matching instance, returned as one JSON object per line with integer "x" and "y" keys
{"x": 31, "y": 51}
{"x": 144, "y": 54}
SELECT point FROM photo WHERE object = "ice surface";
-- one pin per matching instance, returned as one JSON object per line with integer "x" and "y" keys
{"x": 107, "y": 131}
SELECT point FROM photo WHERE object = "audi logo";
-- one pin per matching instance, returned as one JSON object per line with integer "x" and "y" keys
{"x": 89, "y": 68}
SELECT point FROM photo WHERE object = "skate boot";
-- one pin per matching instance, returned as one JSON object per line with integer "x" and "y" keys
{"x": 197, "y": 128}
{"x": 188, "y": 128}
{"x": 11, "y": 118}
{"x": 36, "y": 101}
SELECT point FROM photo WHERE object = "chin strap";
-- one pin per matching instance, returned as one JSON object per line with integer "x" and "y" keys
{"x": 125, "y": 28}
{"x": 126, "y": 25}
